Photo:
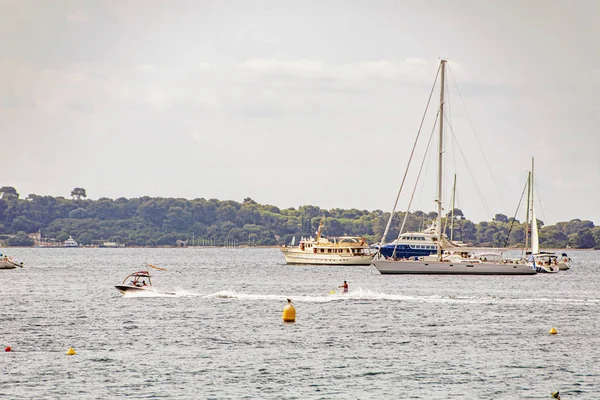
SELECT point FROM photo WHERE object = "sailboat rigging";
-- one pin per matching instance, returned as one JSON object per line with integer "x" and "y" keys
{"x": 540, "y": 261}
{"x": 461, "y": 261}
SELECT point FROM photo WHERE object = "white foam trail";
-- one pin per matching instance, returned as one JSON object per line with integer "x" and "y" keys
{"x": 366, "y": 294}
{"x": 186, "y": 293}
{"x": 354, "y": 295}
{"x": 145, "y": 293}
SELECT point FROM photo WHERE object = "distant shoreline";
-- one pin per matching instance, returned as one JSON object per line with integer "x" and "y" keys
{"x": 497, "y": 249}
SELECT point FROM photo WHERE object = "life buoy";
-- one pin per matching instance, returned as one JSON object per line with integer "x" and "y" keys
{"x": 315, "y": 250}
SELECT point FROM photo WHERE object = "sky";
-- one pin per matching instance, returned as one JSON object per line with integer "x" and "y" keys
{"x": 304, "y": 102}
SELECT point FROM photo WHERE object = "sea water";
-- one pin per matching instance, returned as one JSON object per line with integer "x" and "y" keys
{"x": 222, "y": 335}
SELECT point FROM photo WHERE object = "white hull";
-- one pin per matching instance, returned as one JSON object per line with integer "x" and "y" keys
{"x": 137, "y": 289}
{"x": 7, "y": 264}
{"x": 551, "y": 269}
{"x": 296, "y": 256}
{"x": 450, "y": 268}
{"x": 563, "y": 266}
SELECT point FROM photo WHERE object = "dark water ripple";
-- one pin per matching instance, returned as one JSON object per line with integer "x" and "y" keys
{"x": 221, "y": 336}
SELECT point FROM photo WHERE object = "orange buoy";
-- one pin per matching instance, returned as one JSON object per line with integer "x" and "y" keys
{"x": 289, "y": 312}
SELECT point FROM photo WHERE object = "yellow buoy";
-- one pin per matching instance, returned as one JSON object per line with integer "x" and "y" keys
{"x": 553, "y": 331}
{"x": 289, "y": 312}
{"x": 71, "y": 352}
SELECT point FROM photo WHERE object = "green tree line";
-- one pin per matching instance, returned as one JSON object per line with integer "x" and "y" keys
{"x": 155, "y": 221}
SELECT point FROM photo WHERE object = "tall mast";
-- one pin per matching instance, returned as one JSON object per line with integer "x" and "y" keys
{"x": 453, "y": 199}
{"x": 535, "y": 238}
{"x": 441, "y": 152}
{"x": 531, "y": 184}
{"x": 528, "y": 207}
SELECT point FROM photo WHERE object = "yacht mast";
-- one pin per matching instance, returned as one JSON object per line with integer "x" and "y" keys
{"x": 453, "y": 199}
{"x": 527, "y": 215}
{"x": 441, "y": 152}
{"x": 535, "y": 239}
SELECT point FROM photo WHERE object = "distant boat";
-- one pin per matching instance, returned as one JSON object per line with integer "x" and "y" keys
{"x": 70, "y": 242}
{"x": 345, "y": 250}
{"x": 112, "y": 245}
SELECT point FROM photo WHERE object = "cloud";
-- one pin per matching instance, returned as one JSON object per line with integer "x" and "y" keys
{"x": 266, "y": 65}
{"x": 413, "y": 69}
{"x": 78, "y": 16}
{"x": 87, "y": 87}
{"x": 576, "y": 183}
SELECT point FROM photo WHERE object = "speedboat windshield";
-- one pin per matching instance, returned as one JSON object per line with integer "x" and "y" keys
{"x": 138, "y": 278}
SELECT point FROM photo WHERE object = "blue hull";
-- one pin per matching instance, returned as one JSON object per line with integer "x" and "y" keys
{"x": 405, "y": 251}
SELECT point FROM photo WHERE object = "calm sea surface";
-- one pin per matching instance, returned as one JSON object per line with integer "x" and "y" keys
{"x": 221, "y": 336}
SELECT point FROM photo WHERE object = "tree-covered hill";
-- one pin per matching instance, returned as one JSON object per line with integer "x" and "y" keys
{"x": 152, "y": 221}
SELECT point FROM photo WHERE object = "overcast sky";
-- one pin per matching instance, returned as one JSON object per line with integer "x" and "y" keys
{"x": 302, "y": 102}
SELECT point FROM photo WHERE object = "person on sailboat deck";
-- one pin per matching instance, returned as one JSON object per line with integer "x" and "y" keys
{"x": 345, "y": 286}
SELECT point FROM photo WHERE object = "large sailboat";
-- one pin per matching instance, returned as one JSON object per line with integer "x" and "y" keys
{"x": 460, "y": 261}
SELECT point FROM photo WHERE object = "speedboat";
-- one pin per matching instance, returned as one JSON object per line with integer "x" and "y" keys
{"x": 139, "y": 282}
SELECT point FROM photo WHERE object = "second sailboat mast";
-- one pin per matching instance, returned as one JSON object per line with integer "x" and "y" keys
{"x": 441, "y": 152}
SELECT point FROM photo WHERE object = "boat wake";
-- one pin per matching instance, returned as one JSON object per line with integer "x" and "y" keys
{"x": 150, "y": 293}
{"x": 360, "y": 294}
